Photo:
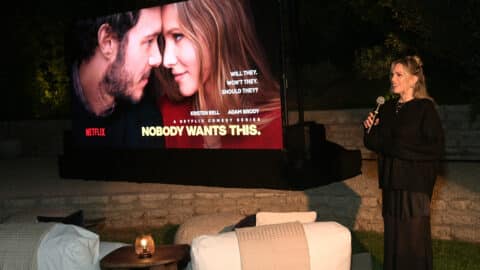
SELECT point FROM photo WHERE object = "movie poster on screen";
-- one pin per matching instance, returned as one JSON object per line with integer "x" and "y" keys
{"x": 187, "y": 75}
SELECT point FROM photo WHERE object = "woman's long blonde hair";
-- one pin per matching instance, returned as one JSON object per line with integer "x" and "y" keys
{"x": 223, "y": 30}
{"x": 414, "y": 65}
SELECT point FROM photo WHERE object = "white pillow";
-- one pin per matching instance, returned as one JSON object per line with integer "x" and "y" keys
{"x": 69, "y": 247}
{"x": 267, "y": 218}
{"x": 215, "y": 252}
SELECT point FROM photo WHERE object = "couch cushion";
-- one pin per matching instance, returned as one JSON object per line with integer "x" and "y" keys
{"x": 19, "y": 243}
{"x": 205, "y": 224}
{"x": 266, "y": 218}
{"x": 275, "y": 247}
{"x": 216, "y": 252}
{"x": 68, "y": 247}
{"x": 329, "y": 247}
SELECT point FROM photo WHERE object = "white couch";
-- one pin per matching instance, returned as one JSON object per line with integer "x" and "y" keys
{"x": 214, "y": 244}
{"x": 51, "y": 246}
{"x": 329, "y": 246}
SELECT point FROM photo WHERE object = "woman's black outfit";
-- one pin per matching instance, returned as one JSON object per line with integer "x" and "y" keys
{"x": 409, "y": 141}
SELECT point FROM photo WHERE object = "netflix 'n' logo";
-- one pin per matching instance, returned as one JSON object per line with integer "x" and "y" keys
{"x": 95, "y": 132}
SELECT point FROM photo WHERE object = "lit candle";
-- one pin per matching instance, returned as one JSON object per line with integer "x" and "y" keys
{"x": 143, "y": 243}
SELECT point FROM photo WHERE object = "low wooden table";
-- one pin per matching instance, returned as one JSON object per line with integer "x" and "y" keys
{"x": 166, "y": 257}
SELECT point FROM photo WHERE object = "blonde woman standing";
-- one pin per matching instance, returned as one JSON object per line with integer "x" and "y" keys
{"x": 408, "y": 137}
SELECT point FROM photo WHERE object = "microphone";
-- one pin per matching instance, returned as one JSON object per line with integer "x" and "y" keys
{"x": 380, "y": 101}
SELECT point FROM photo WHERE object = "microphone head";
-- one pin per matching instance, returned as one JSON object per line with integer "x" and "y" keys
{"x": 380, "y": 100}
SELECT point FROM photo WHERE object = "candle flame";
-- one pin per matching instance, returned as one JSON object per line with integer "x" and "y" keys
{"x": 143, "y": 242}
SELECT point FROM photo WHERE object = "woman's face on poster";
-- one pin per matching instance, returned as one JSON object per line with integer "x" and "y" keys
{"x": 180, "y": 54}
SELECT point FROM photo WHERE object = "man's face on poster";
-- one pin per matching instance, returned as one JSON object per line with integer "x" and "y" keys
{"x": 138, "y": 53}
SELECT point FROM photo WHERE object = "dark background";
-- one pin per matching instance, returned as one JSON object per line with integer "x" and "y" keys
{"x": 336, "y": 54}
{"x": 346, "y": 48}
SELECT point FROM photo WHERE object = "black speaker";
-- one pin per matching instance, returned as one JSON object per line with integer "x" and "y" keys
{"x": 315, "y": 161}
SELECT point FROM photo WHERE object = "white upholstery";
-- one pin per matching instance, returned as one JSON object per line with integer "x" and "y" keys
{"x": 329, "y": 248}
{"x": 19, "y": 243}
{"x": 68, "y": 247}
{"x": 265, "y": 218}
{"x": 59, "y": 246}
{"x": 216, "y": 252}
{"x": 329, "y": 245}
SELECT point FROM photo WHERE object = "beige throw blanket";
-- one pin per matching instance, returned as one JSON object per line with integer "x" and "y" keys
{"x": 19, "y": 243}
{"x": 273, "y": 247}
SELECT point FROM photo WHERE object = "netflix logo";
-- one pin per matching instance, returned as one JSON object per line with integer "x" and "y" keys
{"x": 95, "y": 132}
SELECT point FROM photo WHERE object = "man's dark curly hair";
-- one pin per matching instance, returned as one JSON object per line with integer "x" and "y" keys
{"x": 83, "y": 36}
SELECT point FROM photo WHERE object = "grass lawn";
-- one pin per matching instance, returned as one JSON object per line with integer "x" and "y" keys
{"x": 447, "y": 254}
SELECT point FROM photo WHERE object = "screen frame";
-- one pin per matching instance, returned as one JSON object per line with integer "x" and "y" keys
{"x": 259, "y": 168}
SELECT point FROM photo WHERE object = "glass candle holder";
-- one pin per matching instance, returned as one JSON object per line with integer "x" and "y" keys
{"x": 144, "y": 246}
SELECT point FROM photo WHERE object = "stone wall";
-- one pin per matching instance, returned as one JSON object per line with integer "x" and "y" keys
{"x": 355, "y": 202}
{"x": 462, "y": 130}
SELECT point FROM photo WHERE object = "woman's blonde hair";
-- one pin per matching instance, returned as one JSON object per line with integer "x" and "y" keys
{"x": 223, "y": 30}
{"x": 414, "y": 65}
